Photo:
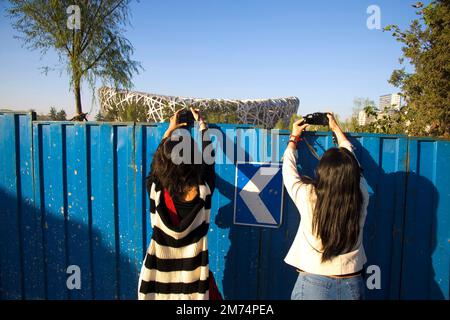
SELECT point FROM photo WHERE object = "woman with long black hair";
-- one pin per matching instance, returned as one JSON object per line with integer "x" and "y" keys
{"x": 327, "y": 251}
{"x": 176, "y": 265}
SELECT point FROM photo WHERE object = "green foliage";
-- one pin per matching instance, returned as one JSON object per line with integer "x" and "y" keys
{"x": 128, "y": 113}
{"x": 55, "y": 115}
{"x": 280, "y": 125}
{"x": 370, "y": 111}
{"x": 134, "y": 113}
{"x": 52, "y": 113}
{"x": 350, "y": 125}
{"x": 98, "y": 50}
{"x": 219, "y": 114}
{"x": 426, "y": 46}
{"x": 99, "y": 116}
{"x": 360, "y": 104}
{"x": 387, "y": 123}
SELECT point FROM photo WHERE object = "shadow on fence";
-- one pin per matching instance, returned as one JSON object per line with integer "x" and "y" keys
{"x": 41, "y": 273}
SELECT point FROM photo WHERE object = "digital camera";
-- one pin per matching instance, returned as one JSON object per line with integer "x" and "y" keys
{"x": 185, "y": 116}
{"x": 317, "y": 118}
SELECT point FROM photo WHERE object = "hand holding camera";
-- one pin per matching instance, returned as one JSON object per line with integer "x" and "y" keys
{"x": 332, "y": 123}
{"x": 174, "y": 124}
{"x": 298, "y": 128}
{"x": 185, "y": 117}
{"x": 317, "y": 118}
{"x": 322, "y": 119}
{"x": 198, "y": 117}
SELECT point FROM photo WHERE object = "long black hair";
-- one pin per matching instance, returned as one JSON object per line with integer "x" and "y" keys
{"x": 337, "y": 212}
{"x": 176, "y": 178}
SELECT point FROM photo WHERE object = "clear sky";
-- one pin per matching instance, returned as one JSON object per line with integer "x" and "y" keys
{"x": 320, "y": 51}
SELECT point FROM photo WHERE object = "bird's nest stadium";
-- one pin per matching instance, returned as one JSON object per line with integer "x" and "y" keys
{"x": 264, "y": 113}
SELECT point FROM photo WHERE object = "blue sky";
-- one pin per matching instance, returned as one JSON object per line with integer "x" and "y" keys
{"x": 319, "y": 51}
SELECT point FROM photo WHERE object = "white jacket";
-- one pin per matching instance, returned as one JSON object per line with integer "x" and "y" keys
{"x": 305, "y": 252}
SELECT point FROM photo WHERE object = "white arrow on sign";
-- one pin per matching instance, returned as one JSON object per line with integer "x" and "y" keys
{"x": 250, "y": 194}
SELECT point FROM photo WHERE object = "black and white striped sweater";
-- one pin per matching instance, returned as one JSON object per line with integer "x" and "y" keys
{"x": 176, "y": 264}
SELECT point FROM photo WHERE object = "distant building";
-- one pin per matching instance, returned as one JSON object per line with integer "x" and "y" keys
{"x": 390, "y": 102}
{"x": 362, "y": 118}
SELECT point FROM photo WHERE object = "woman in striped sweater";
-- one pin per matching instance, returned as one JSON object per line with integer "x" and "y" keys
{"x": 176, "y": 264}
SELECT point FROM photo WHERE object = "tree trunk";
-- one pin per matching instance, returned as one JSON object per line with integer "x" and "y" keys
{"x": 77, "y": 90}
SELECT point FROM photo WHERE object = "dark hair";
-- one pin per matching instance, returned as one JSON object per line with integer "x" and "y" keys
{"x": 176, "y": 178}
{"x": 336, "y": 218}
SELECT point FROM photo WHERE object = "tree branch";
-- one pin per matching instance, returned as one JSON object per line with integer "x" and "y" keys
{"x": 99, "y": 56}
{"x": 86, "y": 38}
{"x": 101, "y": 19}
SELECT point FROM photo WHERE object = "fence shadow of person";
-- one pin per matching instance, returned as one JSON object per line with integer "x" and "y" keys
{"x": 254, "y": 266}
{"x": 237, "y": 245}
{"x": 48, "y": 242}
{"x": 400, "y": 229}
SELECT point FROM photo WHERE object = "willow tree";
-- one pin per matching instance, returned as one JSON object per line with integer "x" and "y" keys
{"x": 87, "y": 35}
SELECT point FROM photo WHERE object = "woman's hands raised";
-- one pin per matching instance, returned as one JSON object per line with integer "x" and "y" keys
{"x": 173, "y": 124}
{"x": 334, "y": 126}
{"x": 196, "y": 113}
{"x": 332, "y": 121}
{"x": 298, "y": 127}
{"x": 198, "y": 117}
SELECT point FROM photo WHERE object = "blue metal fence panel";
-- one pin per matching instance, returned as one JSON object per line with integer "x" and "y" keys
{"x": 219, "y": 238}
{"x": 129, "y": 221}
{"x": 383, "y": 159}
{"x": 10, "y": 231}
{"x": 31, "y": 223}
{"x": 74, "y": 194}
{"x": 426, "y": 256}
{"x": 276, "y": 279}
{"x": 238, "y": 245}
{"x": 36, "y": 234}
{"x": 78, "y": 214}
{"x": 103, "y": 206}
{"x": 53, "y": 177}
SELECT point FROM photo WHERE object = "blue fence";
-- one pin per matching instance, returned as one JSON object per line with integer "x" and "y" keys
{"x": 73, "y": 194}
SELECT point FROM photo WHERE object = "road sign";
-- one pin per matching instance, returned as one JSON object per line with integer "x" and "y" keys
{"x": 258, "y": 199}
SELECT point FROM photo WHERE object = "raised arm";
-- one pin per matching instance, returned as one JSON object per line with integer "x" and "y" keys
{"x": 173, "y": 125}
{"x": 342, "y": 140}
{"x": 291, "y": 178}
{"x": 209, "y": 173}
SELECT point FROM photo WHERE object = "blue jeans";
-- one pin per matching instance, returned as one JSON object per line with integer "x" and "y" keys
{"x": 316, "y": 287}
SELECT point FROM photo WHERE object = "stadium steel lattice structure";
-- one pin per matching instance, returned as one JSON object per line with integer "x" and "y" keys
{"x": 259, "y": 112}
